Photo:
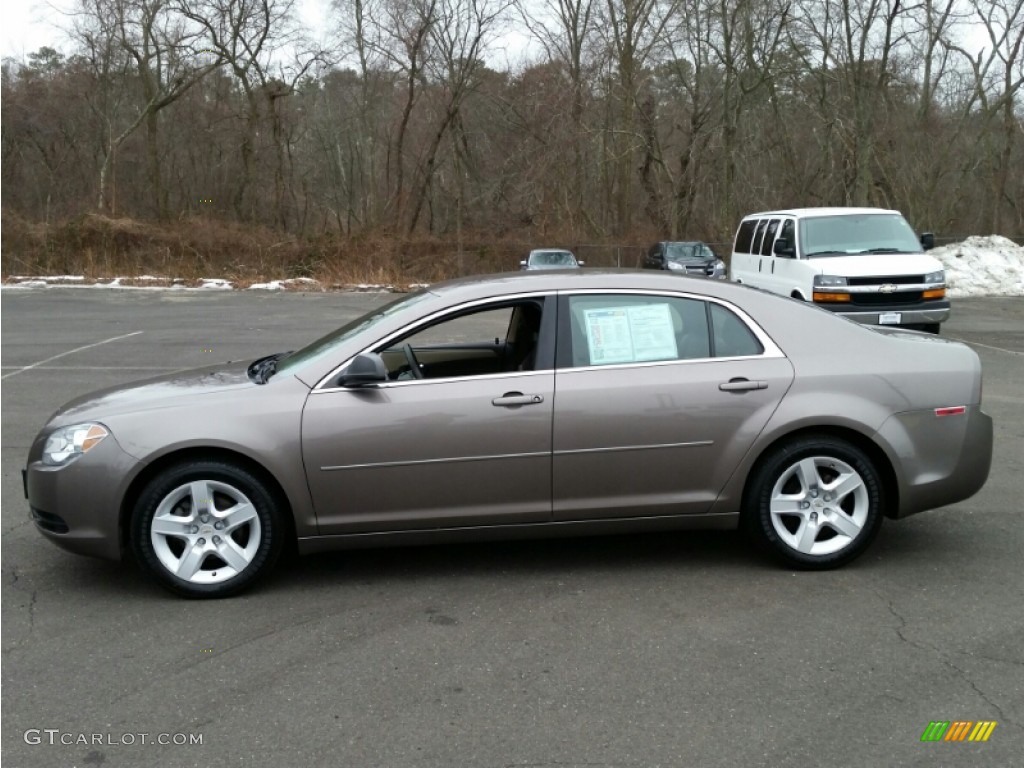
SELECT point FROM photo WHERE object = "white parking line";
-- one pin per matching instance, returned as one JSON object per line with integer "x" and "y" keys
{"x": 69, "y": 352}
{"x": 986, "y": 346}
{"x": 94, "y": 367}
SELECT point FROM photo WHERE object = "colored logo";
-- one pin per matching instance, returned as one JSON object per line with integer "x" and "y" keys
{"x": 958, "y": 730}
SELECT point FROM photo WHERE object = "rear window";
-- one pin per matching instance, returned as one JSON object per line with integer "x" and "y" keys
{"x": 744, "y": 236}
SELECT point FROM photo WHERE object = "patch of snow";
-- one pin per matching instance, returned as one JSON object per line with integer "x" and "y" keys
{"x": 215, "y": 284}
{"x": 988, "y": 265}
{"x": 281, "y": 285}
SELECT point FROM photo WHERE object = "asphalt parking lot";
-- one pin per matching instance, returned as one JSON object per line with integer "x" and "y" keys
{"x": 665, "y": 650}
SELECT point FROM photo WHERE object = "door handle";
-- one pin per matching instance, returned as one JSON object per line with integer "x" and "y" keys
{"x": 742, "y": 385}
{"x": 517, "y": 398}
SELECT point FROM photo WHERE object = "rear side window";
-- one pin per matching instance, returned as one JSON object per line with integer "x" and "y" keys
{"x": 744, "y": 236}
{"x": 732, "y": 336}
{"x": 755, "y": 245}
{"x": 615, "y": 329}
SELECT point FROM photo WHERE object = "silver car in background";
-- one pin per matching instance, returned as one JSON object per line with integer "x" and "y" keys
{"x": 550, "y": 258}
{"x": 522, "y": 405}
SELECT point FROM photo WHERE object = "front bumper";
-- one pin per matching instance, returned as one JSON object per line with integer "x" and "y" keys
{"x": 910, "y": 314}
{"x": 77, "y": 506}
{"x": 943, "y": 459}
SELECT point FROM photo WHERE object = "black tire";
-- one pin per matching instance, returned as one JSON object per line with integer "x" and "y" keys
{"x": 842, "y": 491}
{"x": 244, "y": 524}
{"x": 931, "y": 328}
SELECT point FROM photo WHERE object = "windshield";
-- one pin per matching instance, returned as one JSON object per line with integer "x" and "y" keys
{"x": 325, "y": 344}
{"x": 857, "y": 233}
{"x": 688, "y": 252}
{"x": 552, "y": 259}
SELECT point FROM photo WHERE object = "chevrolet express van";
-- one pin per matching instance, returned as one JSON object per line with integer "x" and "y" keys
{"x": 864, "y": 263}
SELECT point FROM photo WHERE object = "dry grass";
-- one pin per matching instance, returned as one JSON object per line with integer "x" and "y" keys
{"x": 99, "y": 247}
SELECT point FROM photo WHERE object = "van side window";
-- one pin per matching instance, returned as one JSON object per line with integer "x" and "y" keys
{"x": 769, "y": 237}
{"x": 744, "y": 236}
{"x": 788, "y": 233}
{"x": 755, "y": 245}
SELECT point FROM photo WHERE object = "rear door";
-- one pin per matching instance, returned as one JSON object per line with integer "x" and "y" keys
{"x": 659, "y": 396}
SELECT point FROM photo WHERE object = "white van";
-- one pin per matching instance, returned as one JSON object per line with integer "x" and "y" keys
{"x": 865, "y": 263}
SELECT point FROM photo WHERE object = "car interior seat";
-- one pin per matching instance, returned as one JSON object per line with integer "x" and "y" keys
{"x": 523, "y": 338}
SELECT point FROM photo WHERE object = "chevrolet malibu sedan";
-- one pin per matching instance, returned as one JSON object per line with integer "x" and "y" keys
{"x": 514, "y": 406}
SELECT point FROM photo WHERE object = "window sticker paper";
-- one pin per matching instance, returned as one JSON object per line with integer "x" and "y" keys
{"x": 630, "y": 334}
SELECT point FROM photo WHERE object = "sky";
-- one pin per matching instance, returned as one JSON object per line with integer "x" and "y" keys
{"x": 28, "y": 25}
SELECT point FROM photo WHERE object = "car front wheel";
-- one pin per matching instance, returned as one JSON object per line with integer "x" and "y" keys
{"x": 816, "y": 502}
{"x": 206, "y": 529}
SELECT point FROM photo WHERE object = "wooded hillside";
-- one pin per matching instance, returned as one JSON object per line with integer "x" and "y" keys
{"x": 622, "y": 121}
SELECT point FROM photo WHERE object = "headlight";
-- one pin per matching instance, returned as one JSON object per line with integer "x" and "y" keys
{"x": 935, "y": 278}
{"x": 68, "y": 442}
{"x": 675, "y": 266}
{"x": 717, "y": 269}
{"x": 828, "y": 281}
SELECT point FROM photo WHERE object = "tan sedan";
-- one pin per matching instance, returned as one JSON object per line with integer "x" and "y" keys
{"x": 520, "y": 406}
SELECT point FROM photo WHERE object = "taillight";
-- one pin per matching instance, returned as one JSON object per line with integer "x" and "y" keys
{"x": 952, "y": 410}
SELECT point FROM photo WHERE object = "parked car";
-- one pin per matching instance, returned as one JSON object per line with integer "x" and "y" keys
{"x": 550, "y": 258}
{"x": 864, "y": 263}
{"x": 680, "y": 403}
{"x": 690, "y": 258}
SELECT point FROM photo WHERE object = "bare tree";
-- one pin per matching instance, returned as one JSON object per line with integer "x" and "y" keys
{"x": 148, "y": 36}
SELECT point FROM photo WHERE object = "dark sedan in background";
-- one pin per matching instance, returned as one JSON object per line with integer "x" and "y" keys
{"x": 692, "y": 258}
{"x": 532, "y": 404}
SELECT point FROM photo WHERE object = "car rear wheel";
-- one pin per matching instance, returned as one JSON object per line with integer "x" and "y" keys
{"x": 816, "y": 502}
{"x": 206, "y": 529}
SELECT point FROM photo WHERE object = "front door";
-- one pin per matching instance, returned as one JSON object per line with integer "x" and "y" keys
{"x": 460, "y": 435}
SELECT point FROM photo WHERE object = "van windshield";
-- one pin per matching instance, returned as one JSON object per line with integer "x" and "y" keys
{"x": 857, "y": 233}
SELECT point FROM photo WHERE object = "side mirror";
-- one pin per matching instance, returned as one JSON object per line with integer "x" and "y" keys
{"x": 928, "y": 240}
{"x": 783, "y": 248}
{"x": 580, "y": 262}
{"x": 365, "y": 370}
{"x": 522, "y": 263}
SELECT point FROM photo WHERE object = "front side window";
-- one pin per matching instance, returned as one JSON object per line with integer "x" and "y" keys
{"x": 493, "y": 339}
{"x": 788, "y": 233}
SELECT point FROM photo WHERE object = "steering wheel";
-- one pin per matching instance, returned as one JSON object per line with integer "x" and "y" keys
{"x": 414, "y": 365}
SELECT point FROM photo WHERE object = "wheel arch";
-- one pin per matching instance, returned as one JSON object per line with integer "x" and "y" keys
{"x": 203, "y": 453}
{"x": 878, "y": 457}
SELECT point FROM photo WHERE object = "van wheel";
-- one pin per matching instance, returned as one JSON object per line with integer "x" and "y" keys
{"x": 931, "y": 328}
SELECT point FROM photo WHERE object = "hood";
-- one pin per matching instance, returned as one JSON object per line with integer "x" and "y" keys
{"x": 158, "y": 392}
{"x": 876, "y": 264}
